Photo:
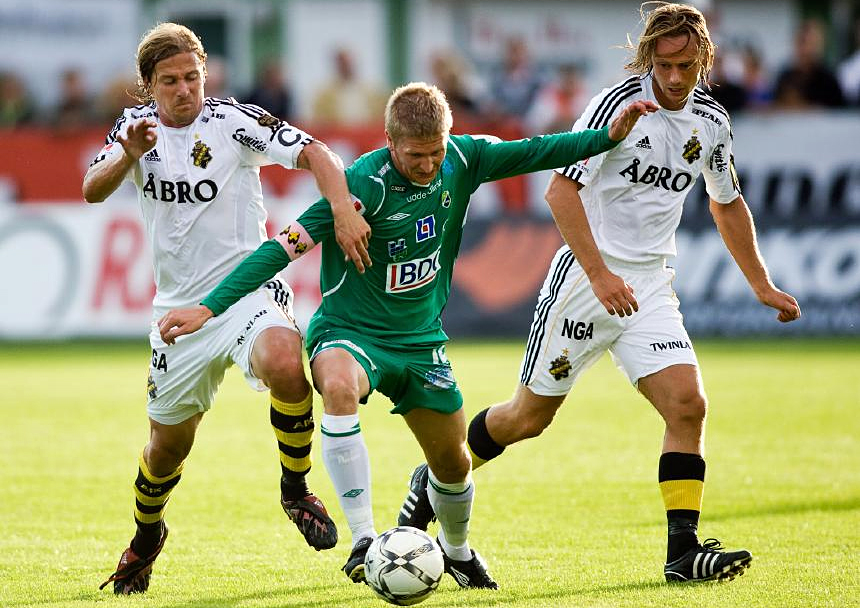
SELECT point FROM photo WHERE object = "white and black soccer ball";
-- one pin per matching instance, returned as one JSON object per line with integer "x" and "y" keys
{"x": 404, "y": 565}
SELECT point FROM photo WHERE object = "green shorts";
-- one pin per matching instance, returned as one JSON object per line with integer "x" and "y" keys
{"x": 411, "y": 376}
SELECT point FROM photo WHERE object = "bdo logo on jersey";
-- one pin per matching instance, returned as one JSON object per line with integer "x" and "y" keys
{"x": 406, "y": 276}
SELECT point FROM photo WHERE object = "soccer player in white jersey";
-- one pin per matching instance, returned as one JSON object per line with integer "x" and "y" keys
{"x": 618, "y": 213}
{"x": 195, "y": 162}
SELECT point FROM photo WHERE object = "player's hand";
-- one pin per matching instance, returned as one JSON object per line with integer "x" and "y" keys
{"x": 614, "y": 293}
{"x": 353, "y": 235}
{"x": 182, "y": 321}
{"x": 789, "y": 309}
{"x": 139, "y": 139}
{"x": 624, "y": 122}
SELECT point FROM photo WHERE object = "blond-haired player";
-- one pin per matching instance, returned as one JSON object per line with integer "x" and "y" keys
{"x": 618, "y": 213}
{"x": 195, "y": 162}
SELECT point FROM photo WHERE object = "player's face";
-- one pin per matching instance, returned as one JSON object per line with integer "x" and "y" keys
{"x": 177, "y": 86}
{"x": 418, "y": 159}
{"x": 675, "y": 69}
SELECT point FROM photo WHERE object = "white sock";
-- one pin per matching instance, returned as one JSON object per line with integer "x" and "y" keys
{"x": 452, "y": 504}
{"x": 346, "y": 460}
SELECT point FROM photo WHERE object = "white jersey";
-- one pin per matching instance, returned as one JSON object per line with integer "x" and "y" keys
{"x": 634, "y": 194}
{"x": 200, "y": 194}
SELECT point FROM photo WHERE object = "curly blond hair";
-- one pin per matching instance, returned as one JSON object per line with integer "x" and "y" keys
{"x": 670, "y": 19}
{"x": 419, "y": 110}
{"x": 162, "y": 42}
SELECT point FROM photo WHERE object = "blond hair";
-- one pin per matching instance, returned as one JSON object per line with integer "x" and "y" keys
{"x": 162, "y": 42}
{"x": 669, "y": 19}
{"x": 418, "y": 110}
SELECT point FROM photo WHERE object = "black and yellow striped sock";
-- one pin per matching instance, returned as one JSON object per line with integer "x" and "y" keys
{"x": 150, "y": 499}
{"x": 682, "y": 483}
{"x": 294, "y": 429}
{"x": 481, "y": 445}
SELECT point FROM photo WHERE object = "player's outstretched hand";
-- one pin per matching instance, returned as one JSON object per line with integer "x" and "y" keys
{"x": 353, "y": 235}
{"x": 614, "y": 293}
{"x": 624, "y": 122}
{"x": 182, "y": 321}
{"x": 139, "y": 139}
{"x": 789, "y": 309}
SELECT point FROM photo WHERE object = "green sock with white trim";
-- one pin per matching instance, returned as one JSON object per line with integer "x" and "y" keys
{"x": 345, "y": 456}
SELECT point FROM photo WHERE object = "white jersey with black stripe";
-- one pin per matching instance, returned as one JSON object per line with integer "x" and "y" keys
{"x": 200, "y": 194}
{"x": 634, "y": 194}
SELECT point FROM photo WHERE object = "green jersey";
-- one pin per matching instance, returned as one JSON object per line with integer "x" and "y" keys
{"x": 415, "y": 236}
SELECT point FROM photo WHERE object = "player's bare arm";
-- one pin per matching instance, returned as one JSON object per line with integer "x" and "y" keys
{"x": 735, "y": 223}
{"x": 351, "y": 230}
{"x": 104, "y": 177}
{"x": 564, "y": 201}
{"x": 626, "y": 120}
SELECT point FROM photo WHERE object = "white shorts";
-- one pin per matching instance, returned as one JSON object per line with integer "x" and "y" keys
{"x": 571, "y": 329}
{"x": 184, "y": 377}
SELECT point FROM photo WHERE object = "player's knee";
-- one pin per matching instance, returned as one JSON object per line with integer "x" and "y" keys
{"x": 533, "y": 425}
{"x": 284, "y": 374}
{"x": 340, "y": 394}
{"x": 164, "y": 457}
{"x": 690, "y": 410}
{"x": 451, "y": 467}
{"x": 532, "y": 420}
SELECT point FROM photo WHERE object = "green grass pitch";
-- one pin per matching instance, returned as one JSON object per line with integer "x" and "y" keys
{"x": 572, "y": 518}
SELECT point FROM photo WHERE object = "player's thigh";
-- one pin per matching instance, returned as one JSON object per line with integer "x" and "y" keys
{"x": 675, "y": 391}
{"x": 343, "y": 369}
{"x": 653, "y": 338}
{"x": 570, "y": 330}
{"x": 258, "y": 352}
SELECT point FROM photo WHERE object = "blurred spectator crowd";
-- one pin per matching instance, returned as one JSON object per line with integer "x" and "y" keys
{"x": 519, "y": 92}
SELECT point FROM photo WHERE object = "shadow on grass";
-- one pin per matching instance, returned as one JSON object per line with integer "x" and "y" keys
{"x": 500, "y": 598}
{"x": 777, "y": 509}
{"x": 325, "y": 592}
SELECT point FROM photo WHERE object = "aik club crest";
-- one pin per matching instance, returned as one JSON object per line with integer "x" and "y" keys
{"x": 560, "y": 366}
{"x": 692, "y": 149}
{"x": 201, "y": 154}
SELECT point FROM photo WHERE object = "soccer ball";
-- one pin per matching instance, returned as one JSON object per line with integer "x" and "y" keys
{"x": 404, "y": 565}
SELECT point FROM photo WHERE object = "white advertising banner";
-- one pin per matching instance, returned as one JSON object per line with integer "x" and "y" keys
{"x": 76, "y": 270}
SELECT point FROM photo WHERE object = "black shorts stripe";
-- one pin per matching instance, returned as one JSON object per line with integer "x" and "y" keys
{"x": 280, "y": 294}
{"x": 291, "y": 424}
{"x": 294, "y": 452}
{"x": 538, "y": 329}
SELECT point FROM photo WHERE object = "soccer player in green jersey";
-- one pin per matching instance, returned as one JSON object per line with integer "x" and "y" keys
{"x": 382, "y": 330}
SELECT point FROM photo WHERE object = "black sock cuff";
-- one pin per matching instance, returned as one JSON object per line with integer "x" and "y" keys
{"x": 480, "y": 442}
{"x": 678, "y": 465}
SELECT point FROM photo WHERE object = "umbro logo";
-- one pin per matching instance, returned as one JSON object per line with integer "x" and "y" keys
{"x": 152, "y": 156}
{"x": 644, "y": 143}
{"x": 461, "y": 577}
{"x": 397, "y": 217}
